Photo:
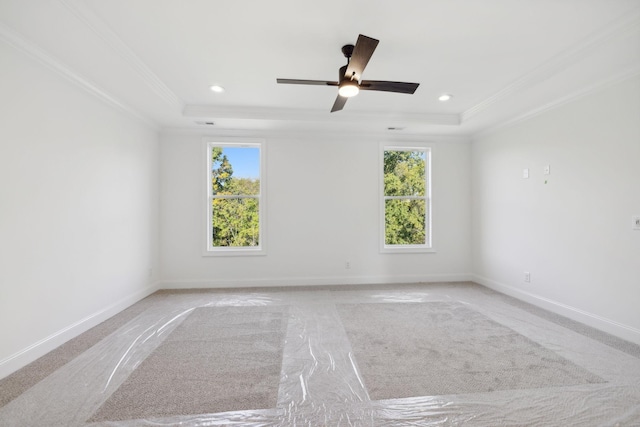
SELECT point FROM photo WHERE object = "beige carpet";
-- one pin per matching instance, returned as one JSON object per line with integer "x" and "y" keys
{"x": 323, "y": 379}
{"x": 20, "y": 381}
{"x": 439, "y": 348}
{"x": 219, "y": 359}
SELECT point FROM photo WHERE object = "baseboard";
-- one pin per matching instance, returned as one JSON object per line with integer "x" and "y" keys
{"x": 24, "y": 357}
{"x": 612, "y": 327}
{"x": 311, "y": 281}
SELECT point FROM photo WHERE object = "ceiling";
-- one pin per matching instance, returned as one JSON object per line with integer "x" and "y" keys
{"x": 501, "y": 59}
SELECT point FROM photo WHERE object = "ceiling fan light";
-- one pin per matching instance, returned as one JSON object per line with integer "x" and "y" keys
{"x": 348, "y": 89}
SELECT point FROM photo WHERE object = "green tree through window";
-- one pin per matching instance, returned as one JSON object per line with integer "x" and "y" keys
{"x": 235, "y": 198}
{"x": 405, "y": 197}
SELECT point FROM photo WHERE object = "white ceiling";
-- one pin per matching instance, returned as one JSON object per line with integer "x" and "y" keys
{"x": 500, "y": 58}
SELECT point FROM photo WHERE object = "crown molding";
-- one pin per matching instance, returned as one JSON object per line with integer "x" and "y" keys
{"x": 291, "y": 114}
{"x": 300, "y": 135}
{"x": 85, "y": 14}
{"x": 617, "y": 30}
{"x": 593, "y": 88}
{"x": 28, "y": 48}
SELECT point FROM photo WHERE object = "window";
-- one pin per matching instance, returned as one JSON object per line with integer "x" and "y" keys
{"x": 235, "y": 198}
{"x": 406, "y": 199}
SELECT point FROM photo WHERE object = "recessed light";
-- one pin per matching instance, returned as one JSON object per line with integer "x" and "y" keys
{"x": 445, "y": 97}
{"x": 217, "y": 89}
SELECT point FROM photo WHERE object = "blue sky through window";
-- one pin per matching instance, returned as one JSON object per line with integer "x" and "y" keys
{"x": 244, "y": 160}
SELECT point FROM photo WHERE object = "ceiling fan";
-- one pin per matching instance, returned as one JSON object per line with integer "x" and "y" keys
{"x": 350, "y": 76}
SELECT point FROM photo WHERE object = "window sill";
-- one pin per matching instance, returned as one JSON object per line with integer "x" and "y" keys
{"x": 226, "y": 252}
{"x": 406, "y": 250}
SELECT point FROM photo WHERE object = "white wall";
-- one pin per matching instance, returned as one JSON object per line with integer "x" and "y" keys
{"x": 78, "y": 216}
{"x": 81, "y": 212}
{"x": 573, "y": 234}
{"x": 323, "y": 209}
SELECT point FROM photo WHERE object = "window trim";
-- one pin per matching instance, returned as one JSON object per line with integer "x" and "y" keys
{"x": 427, "y": 148}
{"x": 209, "y": 249}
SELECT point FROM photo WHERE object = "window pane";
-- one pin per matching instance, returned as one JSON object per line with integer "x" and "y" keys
{"x": 404, "y": 222}
{"x": 235, "y": 171}
{"x": 235, "y": 222}
{"x": 404, "y": 173}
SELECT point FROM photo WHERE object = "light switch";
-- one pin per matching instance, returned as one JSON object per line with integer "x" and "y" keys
{"x": 635, "y": 222}
{"x": 525, "y": 173}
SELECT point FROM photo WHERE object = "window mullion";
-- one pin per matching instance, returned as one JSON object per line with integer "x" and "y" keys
{"x": 234, "y": 196}
{"x": 405, "y": 197}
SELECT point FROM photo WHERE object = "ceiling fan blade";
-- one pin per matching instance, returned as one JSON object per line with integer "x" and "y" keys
{"x": 364, "y": 48}
{"x": 339, "y": 104}
{"x": 306, "y": 82}
{"x": 381, "y": 85}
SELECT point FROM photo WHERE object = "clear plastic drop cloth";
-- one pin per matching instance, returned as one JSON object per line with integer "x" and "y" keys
{"x": 393, "y": 355}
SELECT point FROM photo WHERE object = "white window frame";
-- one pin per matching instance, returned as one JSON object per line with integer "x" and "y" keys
{"x": 427, "y": 247}
{"x": 211, "y": 250}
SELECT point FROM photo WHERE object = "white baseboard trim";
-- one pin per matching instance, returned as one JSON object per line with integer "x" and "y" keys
{"x": 38, "y": 349}
{"x": 612, "y": 327}
{"x": 311, "y": 281}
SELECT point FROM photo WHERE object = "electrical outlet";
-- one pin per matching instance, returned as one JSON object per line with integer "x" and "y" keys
{"x": 150, "y": 272}
{"x": 527, "y": 277}
{"x": 635, "y": 222}
{"x": 347, "y": 265}
{"x": 525, "y": 173}
{"x": 547, "y": 169}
